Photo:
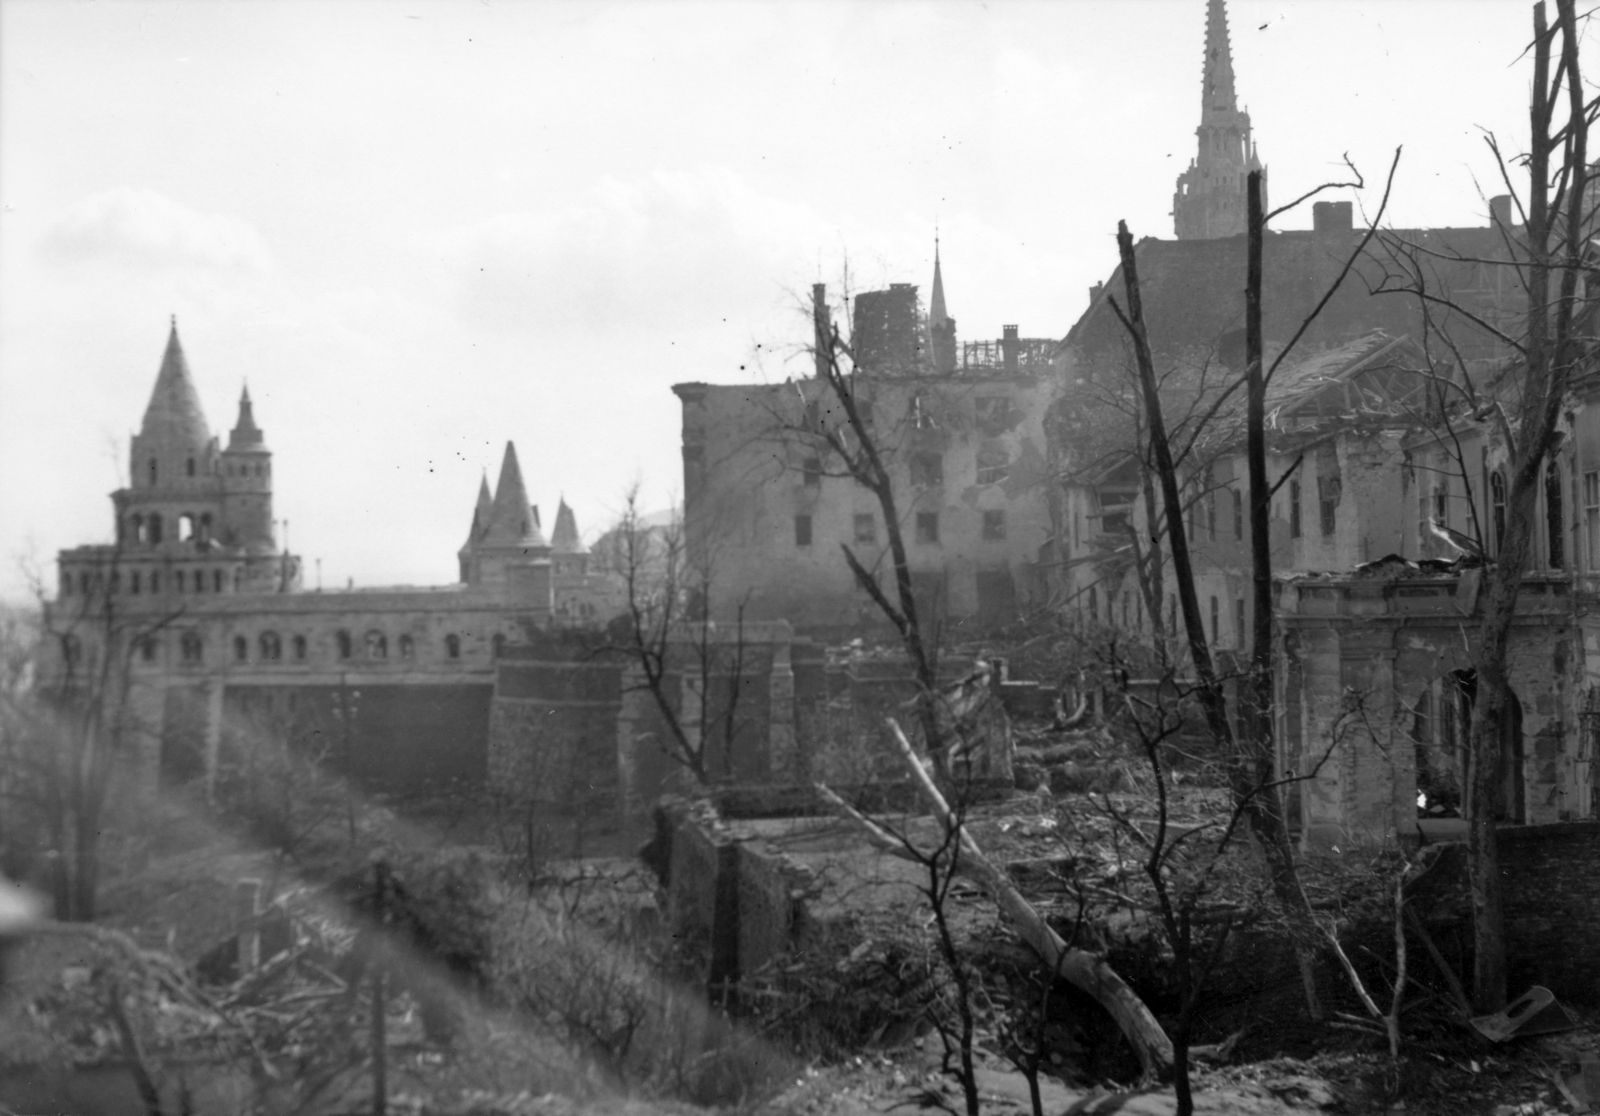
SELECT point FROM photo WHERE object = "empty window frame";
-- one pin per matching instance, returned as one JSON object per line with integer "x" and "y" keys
{"x": 241, "y": 649}
{"x": 866, "y": 529}
{"x": 994, "y": 525}
{"x": 271, "y": 647}
{"x": 191, "y": 648}
{"x": 928, "y": 528}
{"x": 452, "y": 646}
{"x": 377, "y": 645}
{"x": 927, "y": 469}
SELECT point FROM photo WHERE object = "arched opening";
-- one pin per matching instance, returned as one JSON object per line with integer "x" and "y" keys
{"x": 1441, "y": 729}
{"x": 136, "y": 530}
{"x": 452, "y": 646}
{"x": 186, "y": 527}
{"x": 271, "y": 647}
{"x": 191, "y": 647}
{"x": 204, "y": 532}
{"x": 377, "y": 645}
{"x": 408, "y": 649}
{"x": 1554, "y": 517}
{"x": 241, "y": 649}
{"x": 299, "y": 648}
{"x": 342, "y": 641}
{"x": 155, "y": 528}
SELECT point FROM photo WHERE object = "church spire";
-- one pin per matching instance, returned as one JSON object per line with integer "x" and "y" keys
{"x": 565, "y": 539}
{"x": 941, "y": 326}
{"x": 1210, "y": 198}
{"x": 246, "y": 434}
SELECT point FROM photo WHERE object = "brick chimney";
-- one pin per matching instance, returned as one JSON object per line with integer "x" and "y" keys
{"x": 1500, "y": 212}
{"x": 1009, "y": 347}
{"x": 821, "y": 328}
{"x": 1332, "y": 216}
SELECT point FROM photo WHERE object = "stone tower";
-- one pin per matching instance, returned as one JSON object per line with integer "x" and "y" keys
{"x": 941, "y": 326}
{"x": 1210, "y": 199}
{"x": 246, "y": 470}
{"x": 172, "y": 460}
{"x": 509, "y": 554}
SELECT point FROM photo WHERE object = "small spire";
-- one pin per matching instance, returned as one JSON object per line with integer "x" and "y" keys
{"x": 246, "y": 434}
{"x": 565, "y": 538}
{"x": 941, "y": 327}
{"x": 481, "y": 513}
{"x": 174, "y": 414}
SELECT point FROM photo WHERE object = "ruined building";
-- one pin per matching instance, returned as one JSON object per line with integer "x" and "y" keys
{"x": 766, "y": 509}
{"x": 219, "y": 627}
{"x": 1210, "y": 199}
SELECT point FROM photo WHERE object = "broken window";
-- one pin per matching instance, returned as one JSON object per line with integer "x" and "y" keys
{"x": 1329, "y": 491}
{"x": 342, "y": 641}
{"x": 1591, "y": 518}
{"x": 866, "y": 529}
{"x": 993, "y": 413}
{"x": 377, "y": 645}
{"x": 190, "y": 647}
{"x": 994, "y": 525}
{"x": 802, "y": 530}
{"x": 1294, "y": 509}
{"x": 928, "y": 528}
{"x": 271, "y": 647}
{"x": 927, "y": 469}
{"x": 1553, "y": 515}
{"x": 994, "y": 463}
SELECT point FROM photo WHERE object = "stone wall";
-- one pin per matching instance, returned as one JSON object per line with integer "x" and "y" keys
{"x": 1552, "y": 893}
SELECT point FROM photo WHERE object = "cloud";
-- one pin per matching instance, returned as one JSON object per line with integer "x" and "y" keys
{"x": 144, "y": 229}
{"x": 672, "y": 247}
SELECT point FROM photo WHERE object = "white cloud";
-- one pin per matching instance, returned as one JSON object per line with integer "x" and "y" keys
{"x": 674, "y": 247}
{"x": 144, "y": 229}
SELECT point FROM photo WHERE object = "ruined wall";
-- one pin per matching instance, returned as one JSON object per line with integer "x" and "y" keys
{"x": 1552, "y": 893}
{"x": 768, "y": 512}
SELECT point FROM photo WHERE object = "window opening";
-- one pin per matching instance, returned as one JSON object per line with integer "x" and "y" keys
{"x": 271, "y": 647}
{"x": 994, "y": 526}
{"x": 866, "y": 529}
{"x": 1294, "y": 509}
{"x": 342, "y": 640}
{"x": 1553, "y": 516}
{"x": 299, "y": 645}
{"x": 928, "y": 527}
{"x": 452, "y": 647}
{"x": 191, "y": 647}
{"x": 407, "y": 648}
{"x": 802, "y": 530}
{"x": 241, "y": 649}
{"x": 377, "y": 645}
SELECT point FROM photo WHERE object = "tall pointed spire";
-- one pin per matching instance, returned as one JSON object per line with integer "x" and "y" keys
{"x": 564, "y": 539}
{"x": 941, "y": 326}
{"x": 174, "y": 416}
{"x": 246, "y": 434}
{"x": 1210, "y": 199}
{"x": 511, "y": 521}
{"x": 481, "y": 513}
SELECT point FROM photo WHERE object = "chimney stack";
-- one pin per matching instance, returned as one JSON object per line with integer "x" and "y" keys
{"x": 1094, "y": 292}
{"x": 1009, "y": 347}
{"x": 1332, "y": 217}
{"x": 821, "y": 329}
{"x": 1500, "y": 212}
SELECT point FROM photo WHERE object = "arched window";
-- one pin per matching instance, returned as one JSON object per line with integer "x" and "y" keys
{"x": 191, "y": 647}
{"x": 452, "y": 647}
{"x": 1554, "y": 518}
{"x": 377, "y": 645}
{"x": 155, "y": 528}
{"x": 189, "y": 466}
{"x": 271, "y": 647}
{"x": 152, "y": 472}
{"x": 408, "y": 649}
{"x": 203, "y": 534}
{"x": 499, "y": 644}
{"x": 136, "y": 530}
{"x": 186, "y": 527}
{"x": 241, "y": 649}
{"x": 299, "y": 645}
{"x": 342, "y": 639}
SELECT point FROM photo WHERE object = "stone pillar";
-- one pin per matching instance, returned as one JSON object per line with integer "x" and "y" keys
{"x": 785, "y": 763}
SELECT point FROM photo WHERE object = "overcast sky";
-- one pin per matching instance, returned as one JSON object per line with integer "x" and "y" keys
{"x": 421, "y": 229}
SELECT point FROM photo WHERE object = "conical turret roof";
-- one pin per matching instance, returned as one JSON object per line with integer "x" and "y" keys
{"x": 174, "y": 416}
{"x": 511, "y": 521}
{"x": 246, "y": 435}
{"x": 480, "y": 515}
{"x": 936, "y": 310}
{"x": 565, "y": 540}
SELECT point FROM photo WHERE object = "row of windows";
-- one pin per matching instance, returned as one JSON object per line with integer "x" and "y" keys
{"x": 865, "y": 532}
{"x": 927, "y": 469}
{"x": 191, "y": 468}
{"x": 270, "y": 648}
{"x": 183, "y": 581}
{"x": 1132, "y": 606}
